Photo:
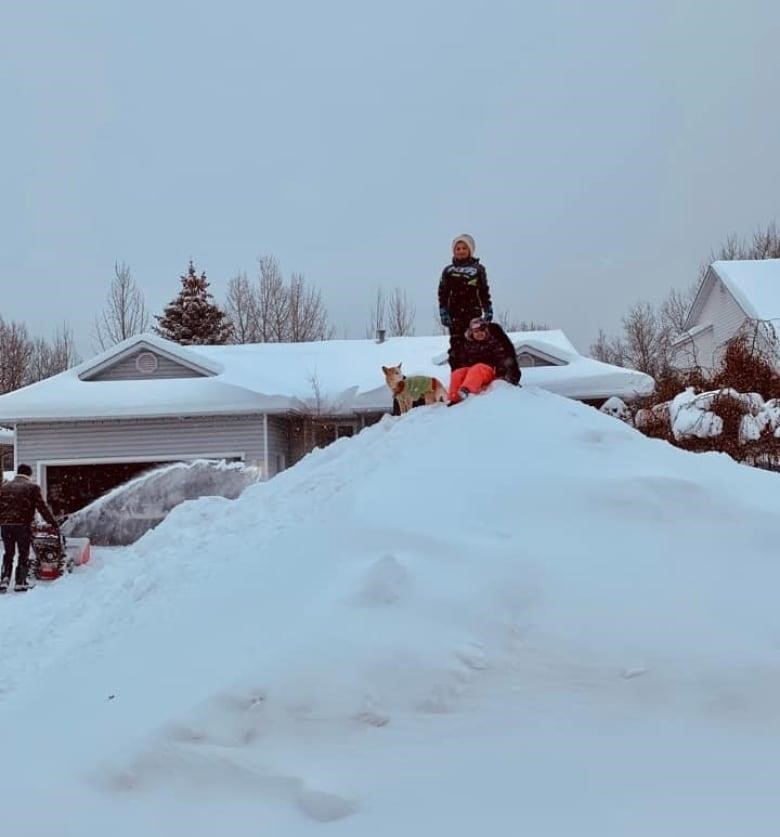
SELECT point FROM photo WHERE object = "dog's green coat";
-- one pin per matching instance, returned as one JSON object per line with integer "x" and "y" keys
{"x": 417, "y": 385}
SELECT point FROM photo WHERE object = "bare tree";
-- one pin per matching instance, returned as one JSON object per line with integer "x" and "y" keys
{"x": 378, "y": 317}
{"x": 400, "y": 314}
{"x": 273, "y": 303}
{"x": 765, "y": 245}
{"x": 608, "y": 349}
{"x": 125, "y": 312}
{"x": 51, "y": 358}
{"x": 274, "y": 310}
{"x": 307, "y": 316}
{"x": 241, "y": 309}
{"x": 674, "y": 309}
{"x": 16, "y": 350}
{"x": 509, "y": 322}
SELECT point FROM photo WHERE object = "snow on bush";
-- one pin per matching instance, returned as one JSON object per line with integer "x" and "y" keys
{"x": 617, "y": 408}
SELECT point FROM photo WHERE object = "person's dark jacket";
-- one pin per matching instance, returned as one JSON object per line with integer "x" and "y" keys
{"x": 464, "y": 293}
{"x": 495, "y": 350}
{"x": 20, "y": 498}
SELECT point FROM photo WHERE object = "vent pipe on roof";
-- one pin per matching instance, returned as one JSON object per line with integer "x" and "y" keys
{"x": 380, "y": 335}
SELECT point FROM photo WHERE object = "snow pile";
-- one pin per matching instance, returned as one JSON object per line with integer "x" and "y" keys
{"x": 513, "y": 616}
{"x": 125, "y": 513}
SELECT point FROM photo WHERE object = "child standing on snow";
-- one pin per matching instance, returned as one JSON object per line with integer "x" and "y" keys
{"x": 463, "y": 292}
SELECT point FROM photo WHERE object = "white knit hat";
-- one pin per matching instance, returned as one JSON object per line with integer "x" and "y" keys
{"x": 467, "y": 240}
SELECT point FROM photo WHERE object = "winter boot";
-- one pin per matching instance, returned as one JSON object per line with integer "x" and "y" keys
{"x": 4, "y": 582}
{"x": 22, "y": 586}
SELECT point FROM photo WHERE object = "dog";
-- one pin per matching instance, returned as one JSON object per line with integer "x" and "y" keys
{"x": 408, "y": 390}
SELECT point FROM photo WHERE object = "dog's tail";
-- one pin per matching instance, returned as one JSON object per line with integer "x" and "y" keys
{"x": 439, "y": 392}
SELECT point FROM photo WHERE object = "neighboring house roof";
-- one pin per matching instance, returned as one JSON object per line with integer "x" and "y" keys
{"x": 691, "y": 333}
{"x": 334, "y": 377}
{"x": 754, "y": 284}
{"x": 6, "y": 436}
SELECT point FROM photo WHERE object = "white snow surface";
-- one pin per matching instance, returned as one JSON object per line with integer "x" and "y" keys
{"x": 338, "y": 377}
{"x": 755, "y": 284}
{"x": 515, "y": 616}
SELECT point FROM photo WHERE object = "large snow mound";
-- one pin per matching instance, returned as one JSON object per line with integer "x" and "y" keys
{"x": 122, "y": 515}
{"x": 440, "y": 625}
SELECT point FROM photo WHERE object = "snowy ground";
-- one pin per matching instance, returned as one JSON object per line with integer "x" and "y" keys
{"x": 517, "y": 616}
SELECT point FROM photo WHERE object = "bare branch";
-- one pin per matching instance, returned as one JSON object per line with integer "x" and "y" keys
{"x": 400, "y": 314}
{"x": 125, "y": 311}
{"x": 16, "y": 351}
{"x": 378, "y": 318}
{"x": 308, "y": 318}
{"x": 241, "y": 309}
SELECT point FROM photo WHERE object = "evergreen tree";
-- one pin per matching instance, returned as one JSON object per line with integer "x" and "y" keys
{"x": 192, "y": 318}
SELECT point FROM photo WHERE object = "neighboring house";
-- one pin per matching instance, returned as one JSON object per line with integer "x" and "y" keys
{"x": 6, "y": 450}
{"x": 732, "y": 294}
{"x": 147, "y": 401}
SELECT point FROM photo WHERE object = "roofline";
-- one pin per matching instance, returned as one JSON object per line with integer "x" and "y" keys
{"x": 279, "y": 411}
{"x": 699, "y": 299}
{"x": 167, "y": 348}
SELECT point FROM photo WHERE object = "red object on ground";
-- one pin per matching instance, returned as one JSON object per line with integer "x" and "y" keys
{"x": 79, "y": 549}
{"x": 474, "y": 378}
{"x": 51, "y": 559}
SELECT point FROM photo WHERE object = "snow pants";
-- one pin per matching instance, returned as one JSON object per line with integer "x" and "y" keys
{"x": 473, "y": 378}
{"x": 16, "y": 537}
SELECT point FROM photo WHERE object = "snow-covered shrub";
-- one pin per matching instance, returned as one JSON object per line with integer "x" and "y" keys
{"x": 617, "y": 408}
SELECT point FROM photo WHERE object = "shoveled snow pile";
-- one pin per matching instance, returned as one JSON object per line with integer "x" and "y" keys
{"x": 122, "y": 515}
{"x": 515, "y": 616}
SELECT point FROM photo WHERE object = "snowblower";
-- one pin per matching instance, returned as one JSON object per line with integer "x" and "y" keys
{"x": 53, "y": 554}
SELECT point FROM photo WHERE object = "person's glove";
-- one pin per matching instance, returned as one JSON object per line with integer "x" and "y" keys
{"x": 487, "y": 314}
{"x": 444, "y": 316}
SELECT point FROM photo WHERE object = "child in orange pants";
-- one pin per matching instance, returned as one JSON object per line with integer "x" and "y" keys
{"x": 470, "y": 380}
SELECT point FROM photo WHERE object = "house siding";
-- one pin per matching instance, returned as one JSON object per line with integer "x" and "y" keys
{"x": 125, "y": 369}
{"x": 720, "y": 310}
{"x": 279, "y": 451}
{"x": 140, "y": 440}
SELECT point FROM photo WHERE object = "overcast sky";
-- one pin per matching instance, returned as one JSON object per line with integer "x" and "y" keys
{"x": 597, "y": 151}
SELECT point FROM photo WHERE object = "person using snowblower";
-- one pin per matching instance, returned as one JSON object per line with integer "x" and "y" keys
{"x": 463, "y": 292}
{"x": 20, "y": 498}
{"x": 485, "y": 354}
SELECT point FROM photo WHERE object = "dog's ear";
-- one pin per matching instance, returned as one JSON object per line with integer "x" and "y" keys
{"x": 399, "y": 365}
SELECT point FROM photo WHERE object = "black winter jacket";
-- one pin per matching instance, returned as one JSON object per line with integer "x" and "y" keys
{"x": 495, "y": 350}
{"x": 19, "y": 500}
{"x": 464, "y": 292}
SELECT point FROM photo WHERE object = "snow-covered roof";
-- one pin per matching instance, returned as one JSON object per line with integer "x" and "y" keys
{"x": 6, "y": 436}
{"x": 691, "y": 333}
{"x": 755, "y": 284}
{"x": 337, "y": 377}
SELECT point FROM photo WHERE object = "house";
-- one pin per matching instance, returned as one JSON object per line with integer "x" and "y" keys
{"x": 147, "y": 401}
{"x": 6, "y": 450}
{"x": 732, "y": 295}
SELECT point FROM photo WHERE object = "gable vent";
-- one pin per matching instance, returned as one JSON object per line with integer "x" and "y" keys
{"x": 146, "y": 363}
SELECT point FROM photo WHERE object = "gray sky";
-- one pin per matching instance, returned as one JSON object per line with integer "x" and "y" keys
{"x": 597, "y": 151}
